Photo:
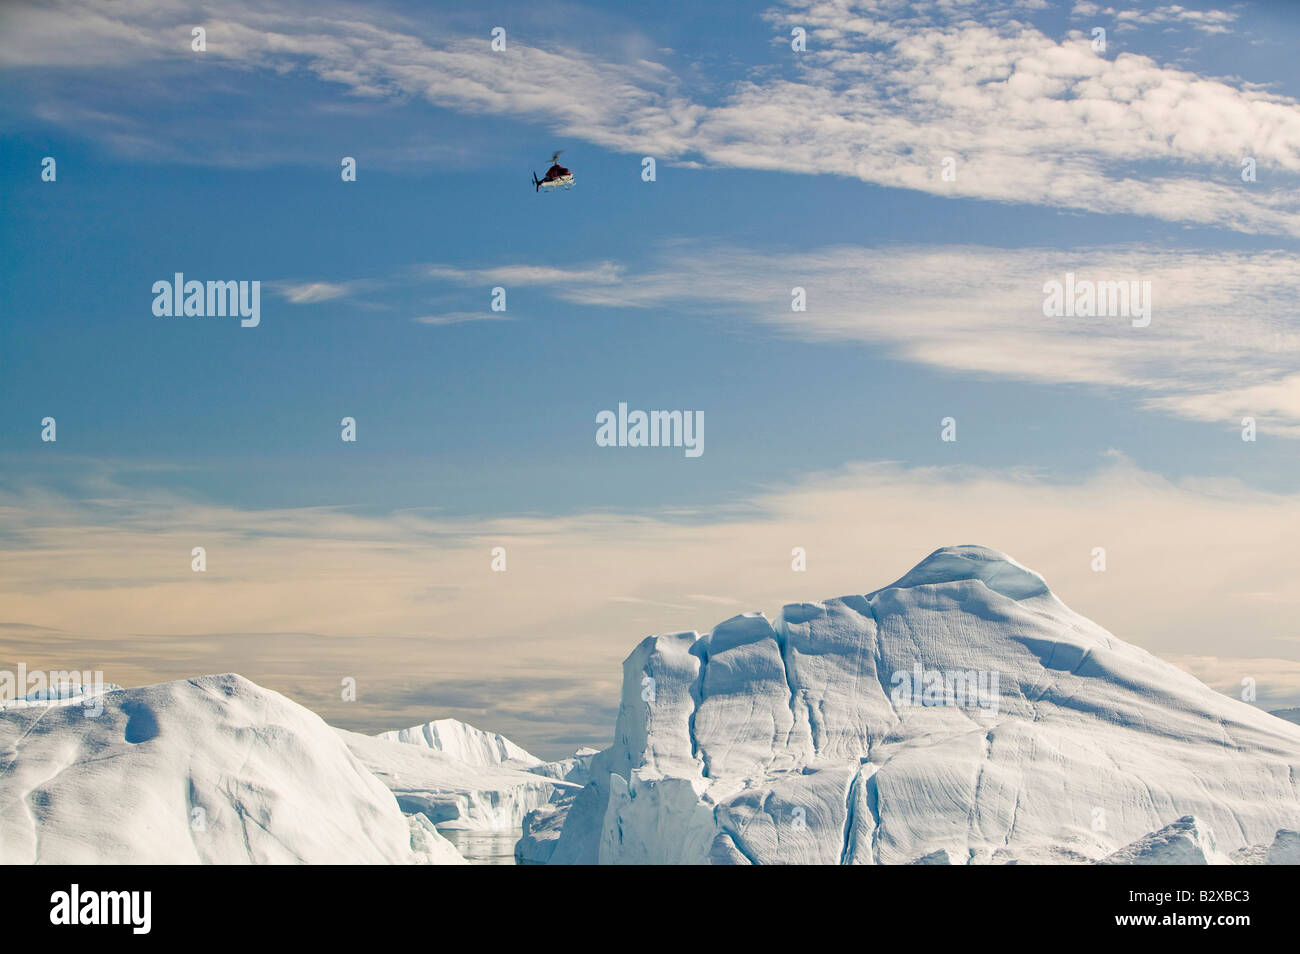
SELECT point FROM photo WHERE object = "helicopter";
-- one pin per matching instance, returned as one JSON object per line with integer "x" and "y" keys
{"x": 557, "y": 177}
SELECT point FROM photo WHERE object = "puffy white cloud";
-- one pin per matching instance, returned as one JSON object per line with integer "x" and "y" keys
{"x": 1206, "y": 21}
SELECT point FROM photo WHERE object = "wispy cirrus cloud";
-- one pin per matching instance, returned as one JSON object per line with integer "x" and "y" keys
{"x": 601, "y": 273}
{"x": 885, "y": 92}
{"x": 461, "y": 317}
{"x": 404, "y": 280}
{"x": 1223, "y": 341}
{"x": 309, "y": 293}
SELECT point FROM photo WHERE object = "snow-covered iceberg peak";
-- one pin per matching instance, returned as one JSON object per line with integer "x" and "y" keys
{"x": 964, "y": 709}
{"x": 214, "y": 769}
{"x": 464, "y": 743}
{"x": 995, "y": 570}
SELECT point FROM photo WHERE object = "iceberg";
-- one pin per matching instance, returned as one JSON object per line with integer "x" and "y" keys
{"x": 212, "y": 770}
{"x": 455, "y": 795}
{"x": 61, "y": 694}
{"x": 832, "y": 735}
{"x": 464, "y": 743}
{"x": 542, "y": 826}
{"x": 541, "y": 833}
{"x": 1285, "y": 849}
{"x": 961, "y": 715}
{"x": 1183, "y": 842}
{"x": 1291, "y": 715}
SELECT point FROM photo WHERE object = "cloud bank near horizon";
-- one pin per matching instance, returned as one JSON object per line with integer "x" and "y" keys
{"x": 300, "y": 598}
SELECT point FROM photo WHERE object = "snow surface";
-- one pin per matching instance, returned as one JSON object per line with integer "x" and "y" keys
{"x": 61, "y": 694}
{"x": 464, "y": 743}
{"x": 1285, "y": 849}
{"x": 1184, "y": 842}
{"x": 208, "y": 770}
{"x": 575, "y": 769}
{"x": 785, "y": 742}
{"x": 1291, "y": 715}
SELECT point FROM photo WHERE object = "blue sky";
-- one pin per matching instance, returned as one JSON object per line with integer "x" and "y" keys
{"x": 775, "y": 169}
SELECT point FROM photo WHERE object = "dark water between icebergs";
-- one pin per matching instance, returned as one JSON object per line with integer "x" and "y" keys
{"x": 484, "y": 847}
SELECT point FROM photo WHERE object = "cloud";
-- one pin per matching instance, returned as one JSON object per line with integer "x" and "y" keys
{"x": 301, "y": 598}
{"x": 1206, "y": 21}
{"x": 603, "y": 273}
{"x": 309, "y": 293}
{"x": 1223, "y": 340}
{"x": 1276, "y": 681}
{"x": 1027, "y": 118}
{"x": 1276, "y": 400}
{"x": 886, "y": 91}
{"x": 404, "y": 279}
{"x": 1222, "y": 344}
{"x": 461, "y": 317}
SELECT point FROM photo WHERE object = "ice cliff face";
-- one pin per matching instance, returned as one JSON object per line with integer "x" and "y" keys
{"x": 208, "y": 770}
{"x": 541, "y": 827}
{"x": 963, "y": 712}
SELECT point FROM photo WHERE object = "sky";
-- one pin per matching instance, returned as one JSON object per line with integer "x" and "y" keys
{"x": 775, "y": 168}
